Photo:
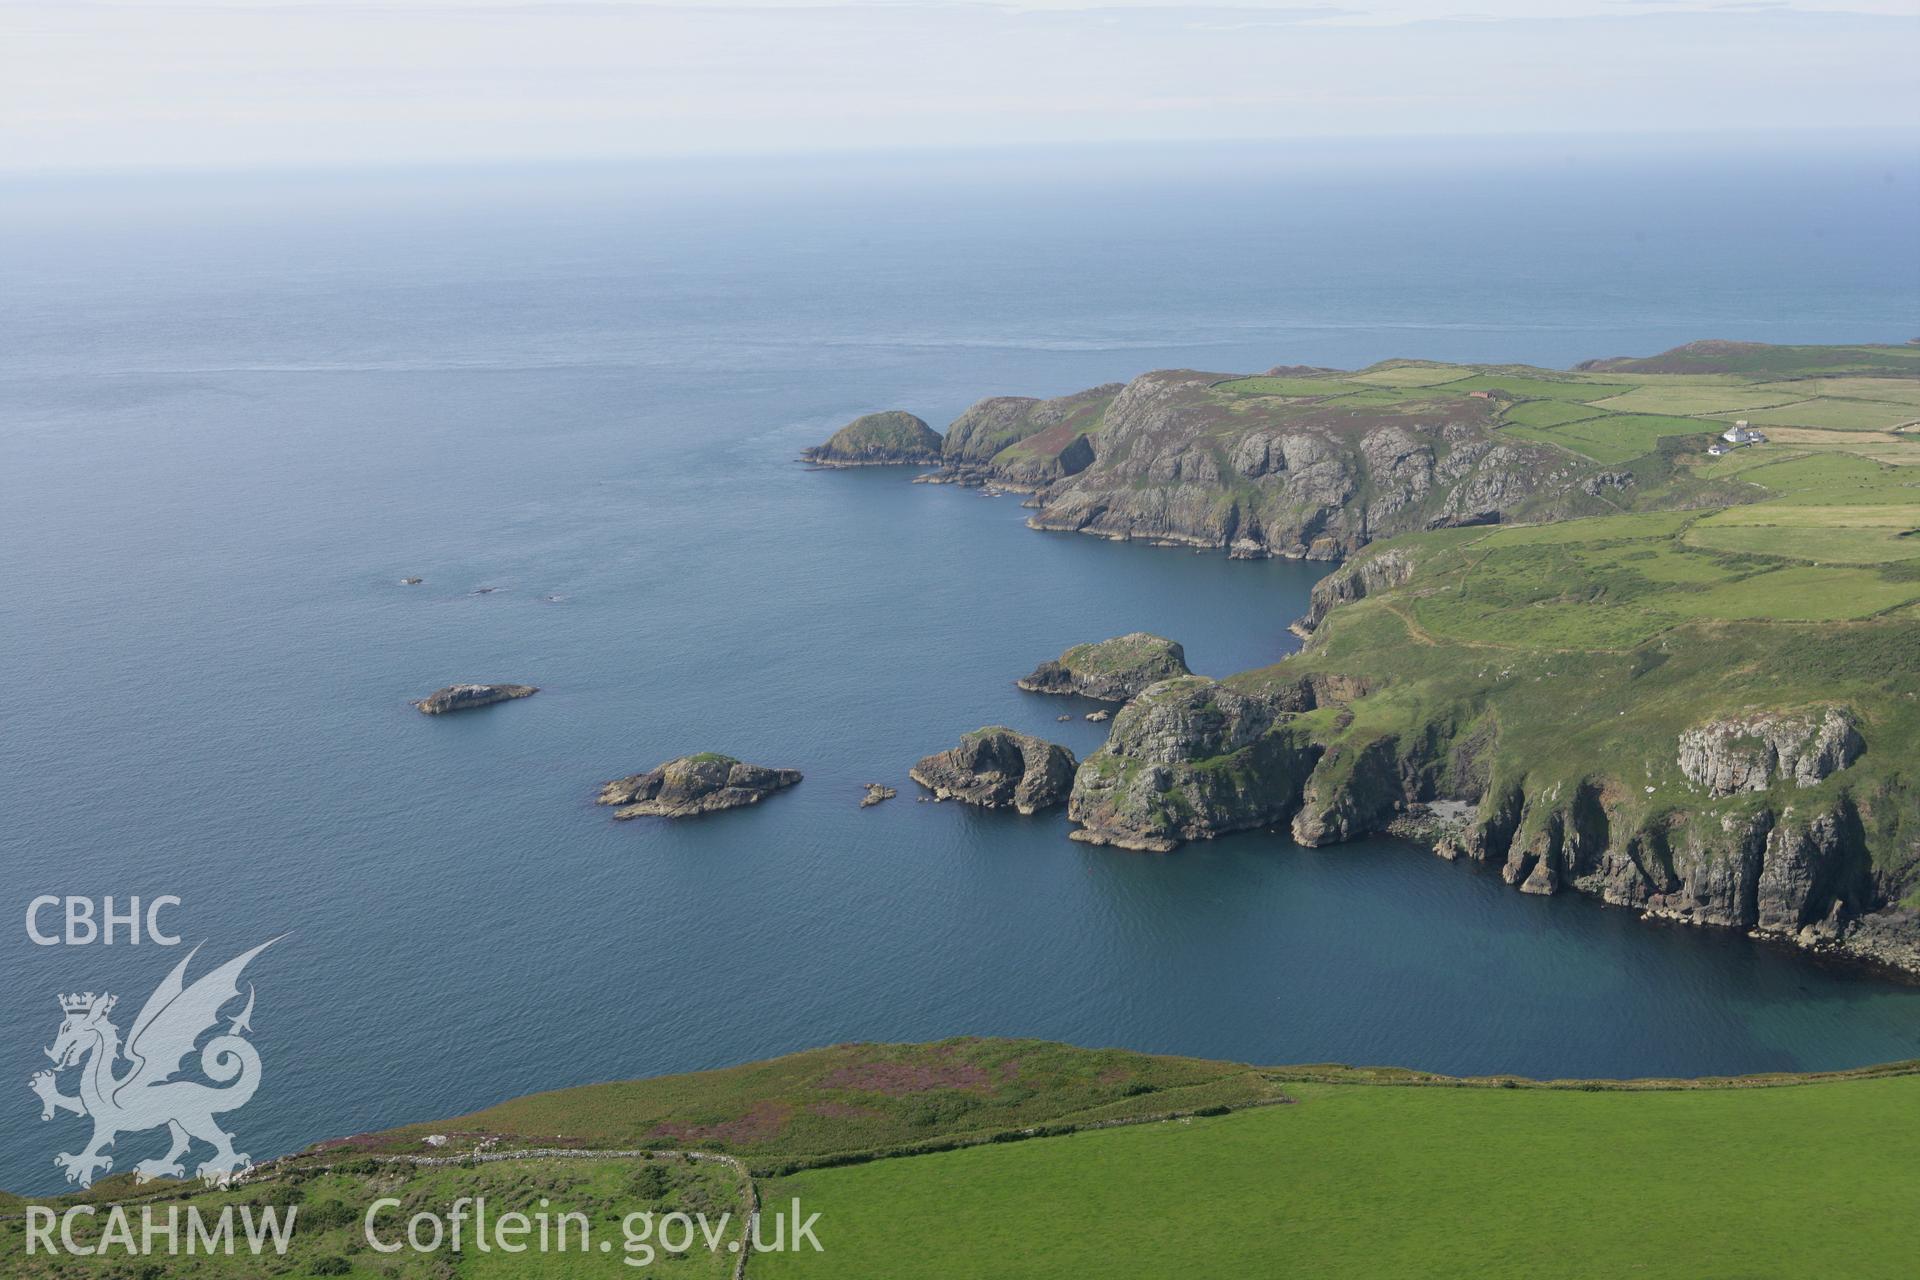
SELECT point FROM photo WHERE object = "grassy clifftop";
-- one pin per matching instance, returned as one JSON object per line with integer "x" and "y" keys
{"x": 1127, "y": 1164}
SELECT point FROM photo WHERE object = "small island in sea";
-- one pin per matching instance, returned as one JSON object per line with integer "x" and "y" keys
{"x": 1110, "y": 670}
{"x": 1643, "y": 630}
{"x": 465, "y": 697}
{"x": 688, "y": 785}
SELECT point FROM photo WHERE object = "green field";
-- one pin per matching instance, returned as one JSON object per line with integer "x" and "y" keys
{"x": 1825, "y": 534}
{"x": 1373, "y": 1182}
{"x": 1688, "y": 399}
{"x": 1331, "y": 385}
{"x": 1414, "y": 375}
{"x": 1315, "y": 1171}
{"x": 1832, "y": 414}
{"x": 1532, "y": 386}
{"x": 1613, "y": 437}
{"x": 1549, "y": 413}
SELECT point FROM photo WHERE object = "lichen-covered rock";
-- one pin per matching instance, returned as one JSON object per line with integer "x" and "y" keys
{"x": 1754, "y": 752}
{"x": 998, "y": 768}
{"x": 890, "y": 438}
{"x": 464, "y": 697}
{"x": 1189, "y": 759}
{"x": 689, "y": 785}
{"x": 1111, "y": 670}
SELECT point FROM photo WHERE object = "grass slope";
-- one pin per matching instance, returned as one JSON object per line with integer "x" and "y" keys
{"x": 1372, "y": 1182}
{"x": 855, "y": 1097}
{"x": 1367, "y": 1172}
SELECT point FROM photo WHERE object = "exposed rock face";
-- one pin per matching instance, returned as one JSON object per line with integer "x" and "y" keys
{"x": 705, "y": 783}
{"x": 1025, "y": 443}
{"x": 1112, "y": 670}
{"x": 1355, "y": 580}
{"x": 1175, "y": 462}
{"x": 1751, "y": 754}
{"x": 1800, "y": 875}
{"x": 987, "y": 427}
{"x": 1189, "y": 759}
{"x": 998, "y": 768}
{"x": 879, "y": 439}
{"x": 463, "y": 697}
{"x": 875, "y": 794}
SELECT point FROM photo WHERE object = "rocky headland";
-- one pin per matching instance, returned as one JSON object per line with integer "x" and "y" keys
{"x": 1701, "y": 718}
{"x": 1111, "y": 670}
{"x": 1295, "y": 463}
{"x": 891, "y": 438}
{"x": 690, "y": 785}
{"x": 464, "y": 697}
{"x": 998, "y": 768}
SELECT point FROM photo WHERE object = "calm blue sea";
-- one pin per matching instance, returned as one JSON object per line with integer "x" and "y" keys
{"x": 234, "y": 411}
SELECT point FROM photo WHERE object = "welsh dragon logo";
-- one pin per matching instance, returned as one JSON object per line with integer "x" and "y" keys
{"x": 145, "y": 1095}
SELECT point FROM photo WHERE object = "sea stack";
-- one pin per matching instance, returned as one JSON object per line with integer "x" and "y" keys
{"x": 996, "y": 768}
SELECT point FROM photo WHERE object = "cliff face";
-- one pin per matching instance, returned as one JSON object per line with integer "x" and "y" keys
{"x": 1023, "y": 443}
{"x": 1751, "y": 754}
{"x": 1186, "y": 457}
{"x": 1178, "y": 459}
{"x": 1189, "y": 759}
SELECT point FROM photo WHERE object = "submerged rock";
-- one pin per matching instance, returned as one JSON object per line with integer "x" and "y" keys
{"x": 1751, "y": 754}
{"x": 879, "y": 439}
{"x": 704, "y": 783}
{"x": 463, "y": 697}
{"x": 998, "y": 768}
{"x": 1112, "y": 670}
{"x": 875, "y": 794}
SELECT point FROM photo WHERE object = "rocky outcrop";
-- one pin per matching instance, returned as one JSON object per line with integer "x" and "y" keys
{"x": 464, "y": 697}
{"x": 1189, "y": 759}
{"x": 689, "y": 785}
{"x": 987, "y": 427}
{"x": 1355, "y": 580}
{"x": 1752, "y": 753}
{"x": 1111, "y": 670}
{"x": 998, "y": 768}
{"x": 876, "y": 792}
{"x": 1018, "y": 442}
{"x": 891, "y": 438}
{"x": 1310, "y": 479}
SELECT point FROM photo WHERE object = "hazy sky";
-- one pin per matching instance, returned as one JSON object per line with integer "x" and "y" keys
{"x": 251, "y": 82}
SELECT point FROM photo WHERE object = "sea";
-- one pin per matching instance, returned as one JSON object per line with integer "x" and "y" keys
{"x": 237, "y": 409}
